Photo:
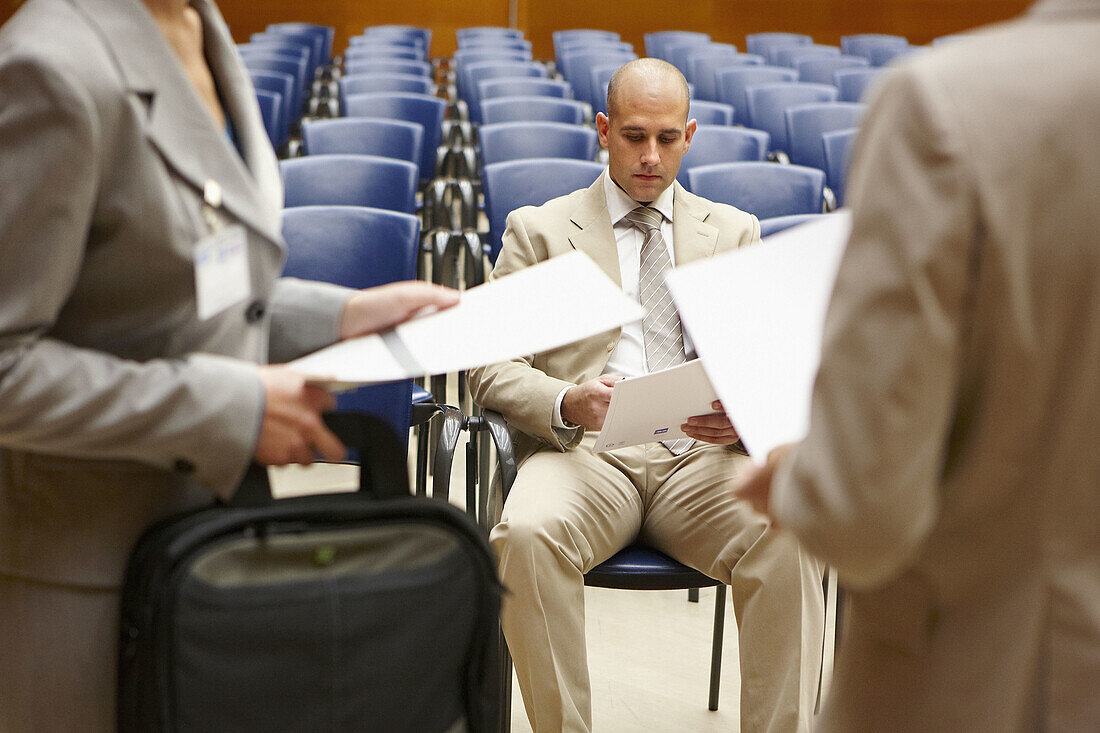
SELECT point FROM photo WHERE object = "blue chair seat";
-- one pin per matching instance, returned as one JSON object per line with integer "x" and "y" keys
{"x": 637, "y": 567}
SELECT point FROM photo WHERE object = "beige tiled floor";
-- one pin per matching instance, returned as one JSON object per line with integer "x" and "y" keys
{"x": 649, "y": 651}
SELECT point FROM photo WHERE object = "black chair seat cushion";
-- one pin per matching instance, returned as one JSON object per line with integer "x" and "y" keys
{"x": 642, "y": 568}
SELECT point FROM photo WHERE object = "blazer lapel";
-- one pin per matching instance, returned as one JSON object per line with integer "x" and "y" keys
{"x": 693, "y": 238}
{"x": 595, "y": 235}
{"x": 178, "y": 124}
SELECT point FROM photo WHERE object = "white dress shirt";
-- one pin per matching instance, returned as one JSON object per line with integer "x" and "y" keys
{"x": 628, "y": 358}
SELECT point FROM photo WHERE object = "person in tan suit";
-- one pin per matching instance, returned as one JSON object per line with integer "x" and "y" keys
{"x": 951, "y": 471}
{"x": 570, "y": 508}
{"x": 133, "y": 152}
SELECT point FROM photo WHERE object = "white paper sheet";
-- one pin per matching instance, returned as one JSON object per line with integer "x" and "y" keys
{"x": 542, "y": 307}
{"x": 653, "y": 406}
{"x": 756, "y": 317}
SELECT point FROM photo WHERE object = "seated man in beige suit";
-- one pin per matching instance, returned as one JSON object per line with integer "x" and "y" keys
{"x": 570, "y": 508}
{"x": 951, "y": 471}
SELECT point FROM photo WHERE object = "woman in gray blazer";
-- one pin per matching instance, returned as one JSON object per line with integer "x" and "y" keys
{"x": 139, "y": 292}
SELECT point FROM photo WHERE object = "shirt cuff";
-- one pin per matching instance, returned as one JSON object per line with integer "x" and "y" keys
{"x": 558, "y": 420}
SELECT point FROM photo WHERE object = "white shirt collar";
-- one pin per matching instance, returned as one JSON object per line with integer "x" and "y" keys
{"x": 619, "y": 204}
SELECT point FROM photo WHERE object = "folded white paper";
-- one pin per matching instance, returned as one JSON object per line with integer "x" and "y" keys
{"x": 538, "y": 308}
{"x": 756, "y": 317}
{"x": 653, "y": 406}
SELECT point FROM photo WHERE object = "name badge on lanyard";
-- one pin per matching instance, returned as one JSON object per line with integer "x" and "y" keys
{"x": 222, "y": 277}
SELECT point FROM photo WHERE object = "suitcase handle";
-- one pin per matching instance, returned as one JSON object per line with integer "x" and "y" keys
{"x": 383, "y": 473}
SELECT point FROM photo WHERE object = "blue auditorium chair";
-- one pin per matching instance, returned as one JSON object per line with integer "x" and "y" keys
{"x": 710, "y": 113}
{"x": 465, "y": 34}
{"x": 483, "y": 42}
{"x": 350, "y": 180}
{"x": 778, "y": 223}
{"x": 580, "y": 45}
{"x": 362, "y": 136}
{"x": 836, "y": 147}
{"x": 422, "y": 35}
{"x": 259, "y": 60}
{"x": 883, "y": 55}
{"x": 762, "y": 189}
{"x": 360, "y": 247}
{"x": 382, "y": 51}
{"x": 852, "y": 84}
{"x": 766, "y": 103}
{"x": 423, "y": 109}
{"x": 560, "y": 38}
{"x": 271, "y": 111}
{"x": 517, "y": 140}
{"x": 474, "y": 73}
{"x": 327, "y": 34}
{"x": 806, "y": 123}
{"x": 820, "y": 70}
{"x": 731, "y": 84}
{"x": 761, "y": 43}
{"x": 680, "y": 54}
{"x": 657, "y": 42}
{"x": 368, "y": 83}
{"x": 533, "y": 109}
{"x": 718, "y": 144}
{"x": 575, "y": 68}
{"x": 409, "y": 42}
{"x": 283, "y": 85}
{"x": 705, "y": 68}
{"x": 861, "y": 44}
{"x": 599, "y": 78}
{"x": 524, "y": 87}
{"x": 314, "y": 43}
{"x": 789, "y": 55}
{"x": 391, "y": 66}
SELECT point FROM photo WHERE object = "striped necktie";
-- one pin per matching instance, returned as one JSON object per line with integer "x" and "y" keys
{"x": 664, "y": 340}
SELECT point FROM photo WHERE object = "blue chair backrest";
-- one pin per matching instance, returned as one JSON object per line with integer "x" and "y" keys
{"x": 513, "y": 184}
{"x": 732, "y": 83}
{"x": 420, "y": 34}
{"x": 375, "y": 40}
{"x": 852, "y": 84}
{"x": 560, "y": 38}
{"x": 362, "y": 136}
{"x": 716, "y": 144}
{"x": 367, "y": 83}
{"x": 382, "y": 52}
{"x": 576, "y": 65}
{"x": 883, "y": 55}
{"x": 357, "y": 247}
{"x": 760, "y": 43}
{"x": 391, "y": 66}
{"x": 465, "y": 34}
{"x": 682, "y": 53}
{"x": 705, "y": 68}
{"x": 311, "y": 41}
{"x": 484, "y": 42}
{"x": 777, "y": 224}
{"x": 423, "y": 109}
{"x": 599, "y": 78}
{"x": 569, "y": 48}
{"x": 524, "y": 87}
{"x": 533, "y": 109}
{"x": 261, "y": 61}
{"x": 516, "y": 140}
{"x": 283, "y": 85}
{"x": 837, "y": 149}
{"x": 762, "y": 189}
{"x": 280, "y": 47}
{"x": 806, "y": 123}
{"x": 789, "y": 55}
{"x": 350, "y": 180}
{"x": 464, "y": 58}
{"x": 657, "y": 43}
{"x": 710, "y": 113}
{"x": 475, "y": 73}
{"x": 820, "y": 70}
{"x": 271, "y": 110}
{"x": 861, "y": 44}
{"x": 767, "y": 102}
{"x": 327, "y": 33}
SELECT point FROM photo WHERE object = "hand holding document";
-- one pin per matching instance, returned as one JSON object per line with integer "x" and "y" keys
{"x": 514, "y": 316}
{"x": 756, "y": 317}
{"x": 652, "y": 407}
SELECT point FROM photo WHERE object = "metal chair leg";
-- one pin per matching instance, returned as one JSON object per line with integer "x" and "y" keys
{"x": 716, "y": 648}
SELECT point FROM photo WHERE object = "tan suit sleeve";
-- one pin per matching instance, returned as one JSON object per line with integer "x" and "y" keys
{"x": 861, "y": 490}
{"x": 201, "y": 410}
{"x": 523, "y": 394}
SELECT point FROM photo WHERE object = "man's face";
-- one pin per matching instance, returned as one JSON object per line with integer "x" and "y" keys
{"x": 646, "y": 137}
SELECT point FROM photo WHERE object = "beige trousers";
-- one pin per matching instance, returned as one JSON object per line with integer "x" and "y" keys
{"x": 58, "y": 648}
{"x": 568, "y": 512}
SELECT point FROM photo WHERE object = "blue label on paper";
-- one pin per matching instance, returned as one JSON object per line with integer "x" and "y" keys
{"x": 658, "y": 431}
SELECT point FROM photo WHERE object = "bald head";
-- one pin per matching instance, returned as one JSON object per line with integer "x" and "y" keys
{"x": 644, "y": 79}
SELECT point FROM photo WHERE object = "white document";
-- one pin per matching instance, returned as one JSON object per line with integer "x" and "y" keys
{"x": 756, "y": 317}
{"x": 538, "y": 308}
{"x": 653, "y": 406}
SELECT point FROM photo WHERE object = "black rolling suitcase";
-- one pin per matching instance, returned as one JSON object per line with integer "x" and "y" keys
{"x": 371, "y": 611}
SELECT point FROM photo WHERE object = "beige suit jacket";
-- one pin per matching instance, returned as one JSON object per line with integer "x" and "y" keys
{"x": 951, "y": 470}
{"x": 525, "y": 390}
{"x": 118, "y": 405}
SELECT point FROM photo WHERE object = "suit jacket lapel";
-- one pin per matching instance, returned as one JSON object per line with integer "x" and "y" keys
{"x": 693, "y": 238}
{"x": 178, "y": 124}
{"x": 595, "y": 235}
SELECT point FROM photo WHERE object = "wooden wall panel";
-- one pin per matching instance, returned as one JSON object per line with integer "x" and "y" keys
{"x": 724, "y": 20}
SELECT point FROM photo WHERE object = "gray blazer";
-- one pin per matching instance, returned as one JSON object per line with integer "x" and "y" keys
{"x": 951, "y": 471}
{"x": 118, "y": 405}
